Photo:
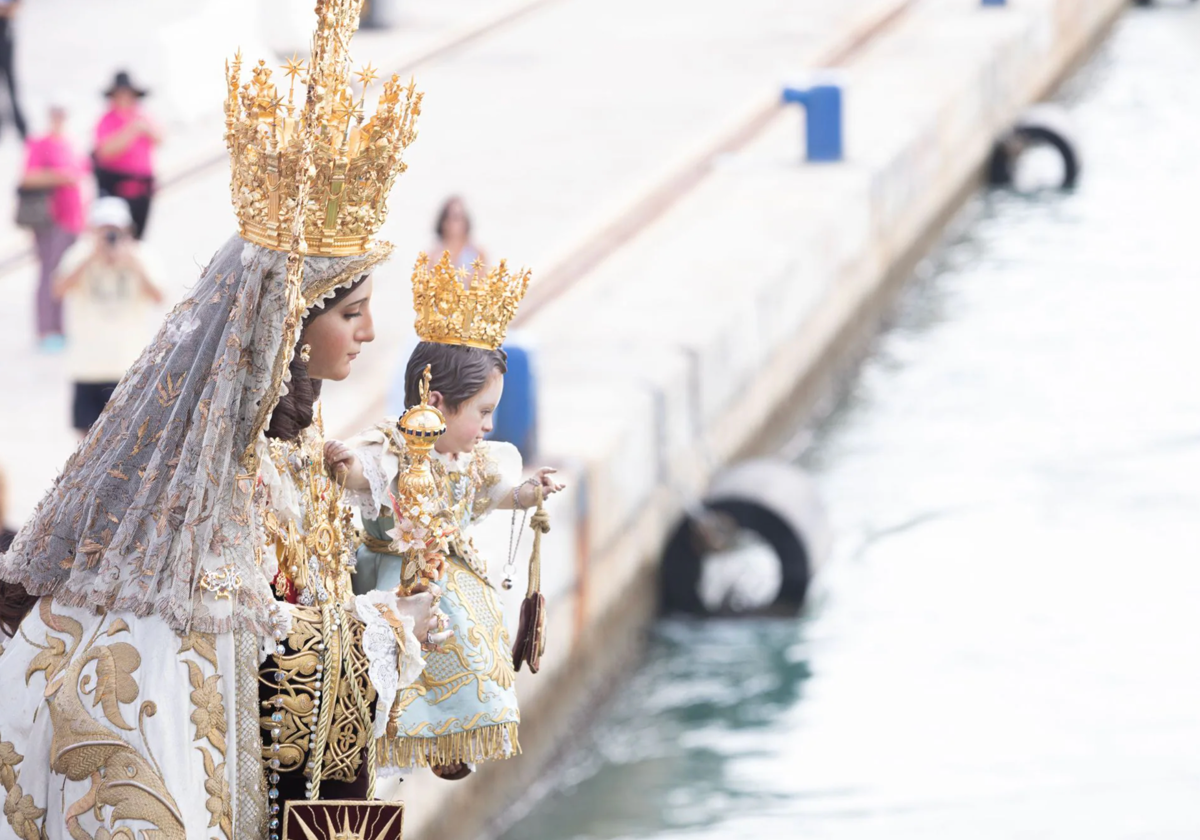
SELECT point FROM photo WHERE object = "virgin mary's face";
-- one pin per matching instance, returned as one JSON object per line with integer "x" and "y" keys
{"x": 336, "y": 336}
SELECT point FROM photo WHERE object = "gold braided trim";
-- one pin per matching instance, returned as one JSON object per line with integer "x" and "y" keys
{"x": 488, "y": 743}
{"x": 350, "y": 726}
{"x": 277, "y": 240}
{"x": 456, "y": 553}
{"x": 380, "y": 546}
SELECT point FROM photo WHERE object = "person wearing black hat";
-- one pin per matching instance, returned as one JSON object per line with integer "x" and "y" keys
{"x": 8, "y": 10}
{"x": 124, "y": 154}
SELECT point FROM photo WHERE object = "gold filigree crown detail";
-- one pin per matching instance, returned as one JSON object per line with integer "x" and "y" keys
{"x": 354, "y": 161}
{"x": 468, "y": 308}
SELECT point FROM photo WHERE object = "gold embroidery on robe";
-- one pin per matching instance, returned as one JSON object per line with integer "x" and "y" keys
{"x": 122, "y": 779}
{"x": 211, "y": 725}
{"x": 347, "y": 736}
{"x": 298, "y": 689}
{"x": 23, "y": 814}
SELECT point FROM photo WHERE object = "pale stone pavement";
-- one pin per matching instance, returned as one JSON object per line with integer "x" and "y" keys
{"x": 547, "y": 125}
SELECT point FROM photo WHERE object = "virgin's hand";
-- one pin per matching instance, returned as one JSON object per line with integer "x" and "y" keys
{"x": 343, "y": 465}
{"x": 429, "y": 623}
{"x": 435, "y": 639}
{"x": 338, "y": 457}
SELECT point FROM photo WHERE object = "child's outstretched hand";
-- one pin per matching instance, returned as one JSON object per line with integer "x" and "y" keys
{"x": 344, "y": 466}
{"x": 543, "y": 478}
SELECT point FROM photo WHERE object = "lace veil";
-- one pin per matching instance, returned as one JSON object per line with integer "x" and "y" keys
{"x": 159, "y": 492}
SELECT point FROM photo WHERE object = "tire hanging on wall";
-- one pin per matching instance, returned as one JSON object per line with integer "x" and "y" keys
{"x": 1043, "y": 125}
{"x": 774, "y": 500}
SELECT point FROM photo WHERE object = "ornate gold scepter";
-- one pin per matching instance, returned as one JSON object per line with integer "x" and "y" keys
{"x": 418, "y": 511}
{"x": 421, "y": 527}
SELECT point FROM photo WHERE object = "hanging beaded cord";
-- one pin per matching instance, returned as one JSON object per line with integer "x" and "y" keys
{"x": 514, "y": 534}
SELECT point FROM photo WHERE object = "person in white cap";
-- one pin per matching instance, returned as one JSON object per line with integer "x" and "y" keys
{"x": 109, "y": 289}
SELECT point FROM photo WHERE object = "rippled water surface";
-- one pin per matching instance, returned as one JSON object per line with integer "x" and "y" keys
{"x": 1007, "y": 643}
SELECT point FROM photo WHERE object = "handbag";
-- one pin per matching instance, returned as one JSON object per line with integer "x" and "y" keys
{"x": 112, "y": 182}
{"x": 531, "y": 629}
{"x": 33, "y": 207}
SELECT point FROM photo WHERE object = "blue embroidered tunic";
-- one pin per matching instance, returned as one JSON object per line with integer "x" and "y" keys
{"x": 463, "y": 707}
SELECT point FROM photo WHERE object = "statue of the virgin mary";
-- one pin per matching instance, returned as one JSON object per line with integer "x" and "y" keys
{"x": 194, "y": 655}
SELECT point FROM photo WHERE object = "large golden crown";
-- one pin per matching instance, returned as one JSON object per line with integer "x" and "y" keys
{"x": 354, "y": 162}
{"x": 466, "y": 308}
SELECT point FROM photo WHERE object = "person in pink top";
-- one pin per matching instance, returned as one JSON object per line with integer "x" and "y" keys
{"x": 124, "y": 155}
{"x": 50, "y": 162}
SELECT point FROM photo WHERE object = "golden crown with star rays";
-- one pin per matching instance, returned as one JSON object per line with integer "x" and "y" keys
{"x": 354, "y": 160}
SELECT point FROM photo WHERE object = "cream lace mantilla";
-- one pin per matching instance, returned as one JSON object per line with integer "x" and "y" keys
{"x": 158, "y": 496}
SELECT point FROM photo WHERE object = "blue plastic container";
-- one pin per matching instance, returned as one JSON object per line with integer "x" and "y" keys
{"x": 515, "y": 420}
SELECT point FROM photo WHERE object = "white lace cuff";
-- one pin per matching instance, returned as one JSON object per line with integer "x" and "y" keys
{"x": 393, "y": 663}
{"x": 364, "y": 500}
{"x": 380, "y": 479}
{"x": 379, "y": 468}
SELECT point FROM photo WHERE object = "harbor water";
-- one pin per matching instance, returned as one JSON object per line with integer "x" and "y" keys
{"x": 1007, "y": 641}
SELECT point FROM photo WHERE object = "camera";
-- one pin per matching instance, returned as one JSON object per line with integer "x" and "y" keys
{"x": 112, "y": 237}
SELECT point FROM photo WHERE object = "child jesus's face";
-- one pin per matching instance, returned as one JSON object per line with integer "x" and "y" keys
{"x": 467, "y": 426}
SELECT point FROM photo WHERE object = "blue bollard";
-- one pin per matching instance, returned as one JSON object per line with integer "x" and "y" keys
{"x": 515, "y": 420}
{"x": 823, "y": 124}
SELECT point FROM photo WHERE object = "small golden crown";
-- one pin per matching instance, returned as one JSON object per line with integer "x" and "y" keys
{"x": 354, "y": 163}
{"x": 467, "y": 308}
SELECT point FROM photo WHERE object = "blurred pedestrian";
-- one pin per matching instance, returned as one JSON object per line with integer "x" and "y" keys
{"x": 453, "y": 231}
{"x": 124, "y": 154}
{"x": 8, "y": 12}
{"x": 53, "y": 166}
{"x": 110, "y": 286}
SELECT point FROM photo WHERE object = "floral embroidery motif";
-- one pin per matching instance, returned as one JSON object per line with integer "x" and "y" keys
{"x": 217, "y": 788}
{"x": 125, "y": 784}
{"x": 22, "y": 812}
{"x": 208, "y": 716}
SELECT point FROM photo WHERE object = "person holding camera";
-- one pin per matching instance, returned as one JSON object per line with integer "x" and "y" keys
{"x": 109, "y": 290}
